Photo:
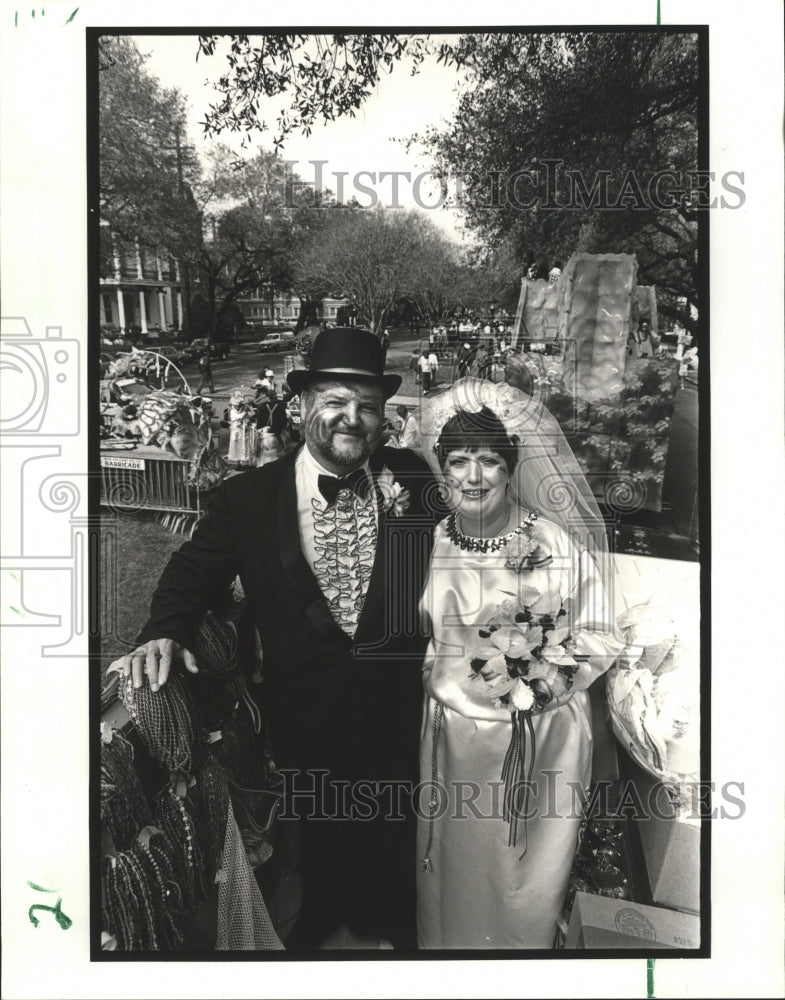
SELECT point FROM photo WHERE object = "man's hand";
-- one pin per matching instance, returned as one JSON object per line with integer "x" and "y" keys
{"x": 155, "y": 659}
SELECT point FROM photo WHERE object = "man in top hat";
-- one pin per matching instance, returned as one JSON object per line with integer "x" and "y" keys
{"x": 344, "y": 529}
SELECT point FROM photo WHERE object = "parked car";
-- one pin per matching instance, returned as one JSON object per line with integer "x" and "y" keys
{"x": 116, "y": 345}
{"x": 282, "y": 341}
{"x": 218, "y": 350}
{"x": 173, "y": 354}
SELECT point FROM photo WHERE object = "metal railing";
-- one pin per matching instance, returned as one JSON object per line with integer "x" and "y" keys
{"x": 144, "y": 480}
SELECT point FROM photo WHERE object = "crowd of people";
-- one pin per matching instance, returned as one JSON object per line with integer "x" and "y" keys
{"x": 264, "y": 426}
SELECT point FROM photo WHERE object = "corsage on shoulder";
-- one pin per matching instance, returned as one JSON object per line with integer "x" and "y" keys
{"x": 524, "y": 551}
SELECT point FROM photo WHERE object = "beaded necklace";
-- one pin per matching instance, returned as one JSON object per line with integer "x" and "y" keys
{"x": 124, "y": 809}
{"x": 141, "y": 898}
{"x": 472, "y": 543}
{"x": 167, "y": 721}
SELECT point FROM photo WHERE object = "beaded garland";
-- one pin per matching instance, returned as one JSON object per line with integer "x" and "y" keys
{"x": 240, "y": 750}
{"x": 141, "y": 897}
{"x": 124, "y": 808}
{"x": 167, "y": 721}
{"x": 215, "y": 647}
{"x": 152, "y": 879}
{"x": 175, "y": 821}
{"x": 208, "y": 803}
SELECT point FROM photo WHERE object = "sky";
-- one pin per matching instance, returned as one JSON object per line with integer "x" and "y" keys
{"x": 372, "y": 141}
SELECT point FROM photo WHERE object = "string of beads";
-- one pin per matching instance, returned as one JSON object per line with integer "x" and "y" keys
{"x": 472, "y": 543}
{"x": 124, "y": 809}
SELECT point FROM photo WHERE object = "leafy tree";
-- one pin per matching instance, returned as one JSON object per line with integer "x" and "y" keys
{"x": 247, "y": 236}
{"x": 230, "y": 224}
{"x": 146, "y": 172}
{"x": 311, "y": 218}
{"x": 490, "y": 275}
{"x": 321, "y": 76}
{"x": 433, "y": 274}
{"x": 622, "y": 104}
{"x": 371, "y": 256}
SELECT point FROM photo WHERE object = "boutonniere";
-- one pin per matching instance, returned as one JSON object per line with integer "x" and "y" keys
{"x": 395, "y": 499}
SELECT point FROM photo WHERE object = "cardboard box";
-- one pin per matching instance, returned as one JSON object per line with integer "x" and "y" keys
{"x": 599, "y": 922}
{"x": 670, "y": 843}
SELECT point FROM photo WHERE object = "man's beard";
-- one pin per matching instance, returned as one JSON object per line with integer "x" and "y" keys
{"x": 348, "y": 451}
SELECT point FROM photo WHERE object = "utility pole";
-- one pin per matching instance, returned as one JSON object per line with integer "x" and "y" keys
{"x": 184, "y": 268}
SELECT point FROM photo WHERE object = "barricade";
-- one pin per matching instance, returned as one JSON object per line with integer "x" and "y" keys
{"x": 147, "y": 479}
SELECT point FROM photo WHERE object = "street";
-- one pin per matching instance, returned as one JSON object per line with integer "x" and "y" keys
{"x": 678, "y": 515}
{"x": 244, "y": 364}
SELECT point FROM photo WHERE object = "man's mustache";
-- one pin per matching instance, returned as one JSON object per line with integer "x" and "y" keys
{"x": 323, "y": 426}
{"x": 339, "y": 427}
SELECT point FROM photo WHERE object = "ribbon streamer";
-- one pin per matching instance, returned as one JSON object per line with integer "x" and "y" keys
{"x": 516, "y": 793}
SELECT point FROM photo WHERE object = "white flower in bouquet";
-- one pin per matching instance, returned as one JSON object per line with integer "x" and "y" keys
{"x": 524, "y": 659}
{"x": 554, "y": 651}
{"x": 522, "y": 696}
{"x": 542, "y": 670}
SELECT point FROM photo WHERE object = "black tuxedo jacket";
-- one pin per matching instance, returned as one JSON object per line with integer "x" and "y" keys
{"x": 328, "y": 701}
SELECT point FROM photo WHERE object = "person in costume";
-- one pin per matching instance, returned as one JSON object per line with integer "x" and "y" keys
{"x": 521, "y": 625}
{"x": 408, "y": 437}
{"x": 331, "y": 545}
{"x": 206, "y": 372}
{"x": 271, "y": 427}
{"x": 641, "y": 344}
{"x": 425, "y": 371}
{"x": 464, "y": 359}
{"x": 242, "y": 428}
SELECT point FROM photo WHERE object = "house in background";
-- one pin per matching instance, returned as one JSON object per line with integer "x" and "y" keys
{"x": 269, "y": 307}
{"x": 143, "y": 291}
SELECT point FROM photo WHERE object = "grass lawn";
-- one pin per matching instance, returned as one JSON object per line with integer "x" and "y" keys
{"x": 135, "y": 550}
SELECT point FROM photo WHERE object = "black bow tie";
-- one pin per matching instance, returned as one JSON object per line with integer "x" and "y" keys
{"x": 331, "y": 486}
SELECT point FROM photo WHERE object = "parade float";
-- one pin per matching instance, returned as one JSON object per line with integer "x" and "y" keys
{"x": 582, "y": 349}
{"x": 157, "y": 448}
{"x": 580, "y": 357}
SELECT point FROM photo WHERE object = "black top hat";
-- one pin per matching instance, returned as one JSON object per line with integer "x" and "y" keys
{"x": 351, "y": 354}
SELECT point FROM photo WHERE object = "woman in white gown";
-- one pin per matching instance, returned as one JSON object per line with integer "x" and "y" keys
{"x": 521, "y": 626}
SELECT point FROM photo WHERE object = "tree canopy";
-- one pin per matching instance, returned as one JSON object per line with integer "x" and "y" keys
{"x": 576, "y": 109}
{"x": 378, "y": 258}
{"x": 570, "y": 118}
{"x": 321, "y": 76}
{"x": 230, "y": 224}
{"x": 569, "y": 109}
{"x": 146, "y": 170}
{"x": 253, "y": 218}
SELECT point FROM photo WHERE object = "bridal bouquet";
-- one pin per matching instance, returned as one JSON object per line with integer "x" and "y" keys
{"x": 525, "y": 657}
